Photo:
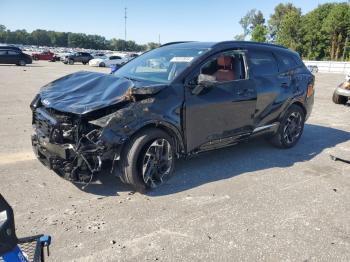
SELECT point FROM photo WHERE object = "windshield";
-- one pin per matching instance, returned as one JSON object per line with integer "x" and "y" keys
{"x": 160, "y": 65}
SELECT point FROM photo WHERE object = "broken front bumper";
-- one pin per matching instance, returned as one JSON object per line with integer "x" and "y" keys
{"x": 77, "y": 163}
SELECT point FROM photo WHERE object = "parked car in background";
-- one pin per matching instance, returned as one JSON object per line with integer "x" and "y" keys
{"x": 99, "y": 55}
{"x": 313, "y": 68}
{"x": 137, "y": 121}
{"x": 55, "y": 58}
{"x": 78, "y": 57}
{"x": 46, "y": 55}
{"x": 12, "y": 55}
{"x": 341, "y": 94}
{"x": 108, "y": 61}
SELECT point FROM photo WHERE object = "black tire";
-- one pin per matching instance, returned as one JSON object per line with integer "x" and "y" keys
{"x": 102, "y": 64}
{"x": 338, "y": 99}
{"x": 286, "y": 136}
{"x": 134, "y": 156}
{"x": 84, "y": 63}
{"x": 21, "y": 63}
{"x": 71, "y": 61}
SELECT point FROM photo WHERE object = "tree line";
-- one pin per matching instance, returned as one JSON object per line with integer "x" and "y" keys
{"x": 321, "y": 34}
{"x": 41, "y": 37}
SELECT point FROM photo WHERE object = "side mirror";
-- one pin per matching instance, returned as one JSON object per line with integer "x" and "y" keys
{"x": 204, "y": 82}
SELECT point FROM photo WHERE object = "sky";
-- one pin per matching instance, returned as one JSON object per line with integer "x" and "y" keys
{"x": 176, "y": 20}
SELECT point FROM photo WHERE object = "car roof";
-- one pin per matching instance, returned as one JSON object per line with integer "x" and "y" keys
{"x": 9, "y": 47}
{"x": 193, "y": 44}
{"x": 226, "y": 44}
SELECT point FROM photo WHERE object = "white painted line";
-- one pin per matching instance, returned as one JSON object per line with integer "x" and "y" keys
{"x": 11, "y": 158}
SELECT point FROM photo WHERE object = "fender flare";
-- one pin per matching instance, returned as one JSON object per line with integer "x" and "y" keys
{"x": 168, "y": 127}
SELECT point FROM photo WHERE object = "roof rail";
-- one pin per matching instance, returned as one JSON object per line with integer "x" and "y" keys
{"x": 251, "y": 43}
{"x": 174, "y": 43}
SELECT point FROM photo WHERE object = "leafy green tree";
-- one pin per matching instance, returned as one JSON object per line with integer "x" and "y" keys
{"x": 336, "y": 26}
{"x": 41, "y": 37}
{"x": 259, "y": 33}
{"x": 288, "y": 33}
{"x": 248, "y": 22}
{"x": 239, "y": 37}
{"x": 281, "y": 10}
{"x": 315, "y": 41}
{"x": 152, "y": 45}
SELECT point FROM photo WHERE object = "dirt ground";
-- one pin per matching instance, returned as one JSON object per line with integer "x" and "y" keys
{"x": 251, "y": 202}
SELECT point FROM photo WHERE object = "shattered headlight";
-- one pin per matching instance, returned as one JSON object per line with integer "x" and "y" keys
{"x": 104, "y": 121}
{"x": 3, "y": 218}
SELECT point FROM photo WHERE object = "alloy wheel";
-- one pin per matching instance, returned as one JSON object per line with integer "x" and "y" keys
{"x": 293, "y": 127}
{"x": 157, "y": 162}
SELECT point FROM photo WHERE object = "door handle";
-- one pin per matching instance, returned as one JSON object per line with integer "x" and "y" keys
{"x": 284, "y": 85}
{"x": 245, "y": 91}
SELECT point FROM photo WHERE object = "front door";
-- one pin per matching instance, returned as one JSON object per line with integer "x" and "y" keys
{"x": 224, "y": 110}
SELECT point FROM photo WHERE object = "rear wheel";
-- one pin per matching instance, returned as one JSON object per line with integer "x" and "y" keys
{"x": 290, "y": 129}
{"x": 84, "y": 63}
{"x": 148, "y": 159}
{"x": 22, "y": 63}
{"x": 338, "y": 99}
{"x": 71, "y": 61}
{"x": 102, "y": 64}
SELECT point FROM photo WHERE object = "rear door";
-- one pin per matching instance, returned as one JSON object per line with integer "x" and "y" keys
{"x": 13, "y": 56}
{"x": 3, "y": 57}
{"x": 114, "y": 60}
{"x": 78, "y": 57}
{"x": 272, "y": 87}
{"x": 224, "y": 112}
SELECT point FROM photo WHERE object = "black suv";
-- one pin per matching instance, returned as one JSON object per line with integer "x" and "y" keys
{"x": 81, "y": 57}
{"x": 177, "y": 100}
{"x": 13, "y": 55}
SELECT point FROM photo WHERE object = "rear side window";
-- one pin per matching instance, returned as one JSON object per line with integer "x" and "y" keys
{"x": 3, "y": 52}
{"x": 10, "y": 52}
{"x": 262, "y": 63}
{"x": 114, "y": 57}
{"x": 286, "y": 62}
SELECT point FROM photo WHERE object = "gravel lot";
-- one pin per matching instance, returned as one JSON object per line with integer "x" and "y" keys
{"x": 250, "y": 202}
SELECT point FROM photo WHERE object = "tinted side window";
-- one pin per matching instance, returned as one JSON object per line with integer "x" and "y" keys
{"x": 114, "y": 57}
{"x": 3, "y": 52}
{"x": 286, "y": 62}
{"x": 262, "y": 63}
{"x": 11, "y": 52}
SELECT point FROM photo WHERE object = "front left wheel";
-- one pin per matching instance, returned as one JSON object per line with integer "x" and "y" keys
{"x": 148, "y": 159}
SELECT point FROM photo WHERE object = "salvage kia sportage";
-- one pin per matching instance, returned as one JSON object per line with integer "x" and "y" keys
{"x": 174, "y": 101}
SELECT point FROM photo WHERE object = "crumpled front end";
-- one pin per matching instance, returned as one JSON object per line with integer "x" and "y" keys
{"x": 70, "y": 145}
{"x": 82, "y": 120}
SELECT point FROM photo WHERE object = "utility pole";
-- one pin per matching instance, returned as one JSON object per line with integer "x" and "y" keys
{"x": 125, "y": 18}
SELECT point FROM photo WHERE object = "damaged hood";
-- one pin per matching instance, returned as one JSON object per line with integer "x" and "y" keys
{"x": 84, "y": 92}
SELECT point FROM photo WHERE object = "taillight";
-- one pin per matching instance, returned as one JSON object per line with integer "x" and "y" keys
{"x": 310, "y": 89}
